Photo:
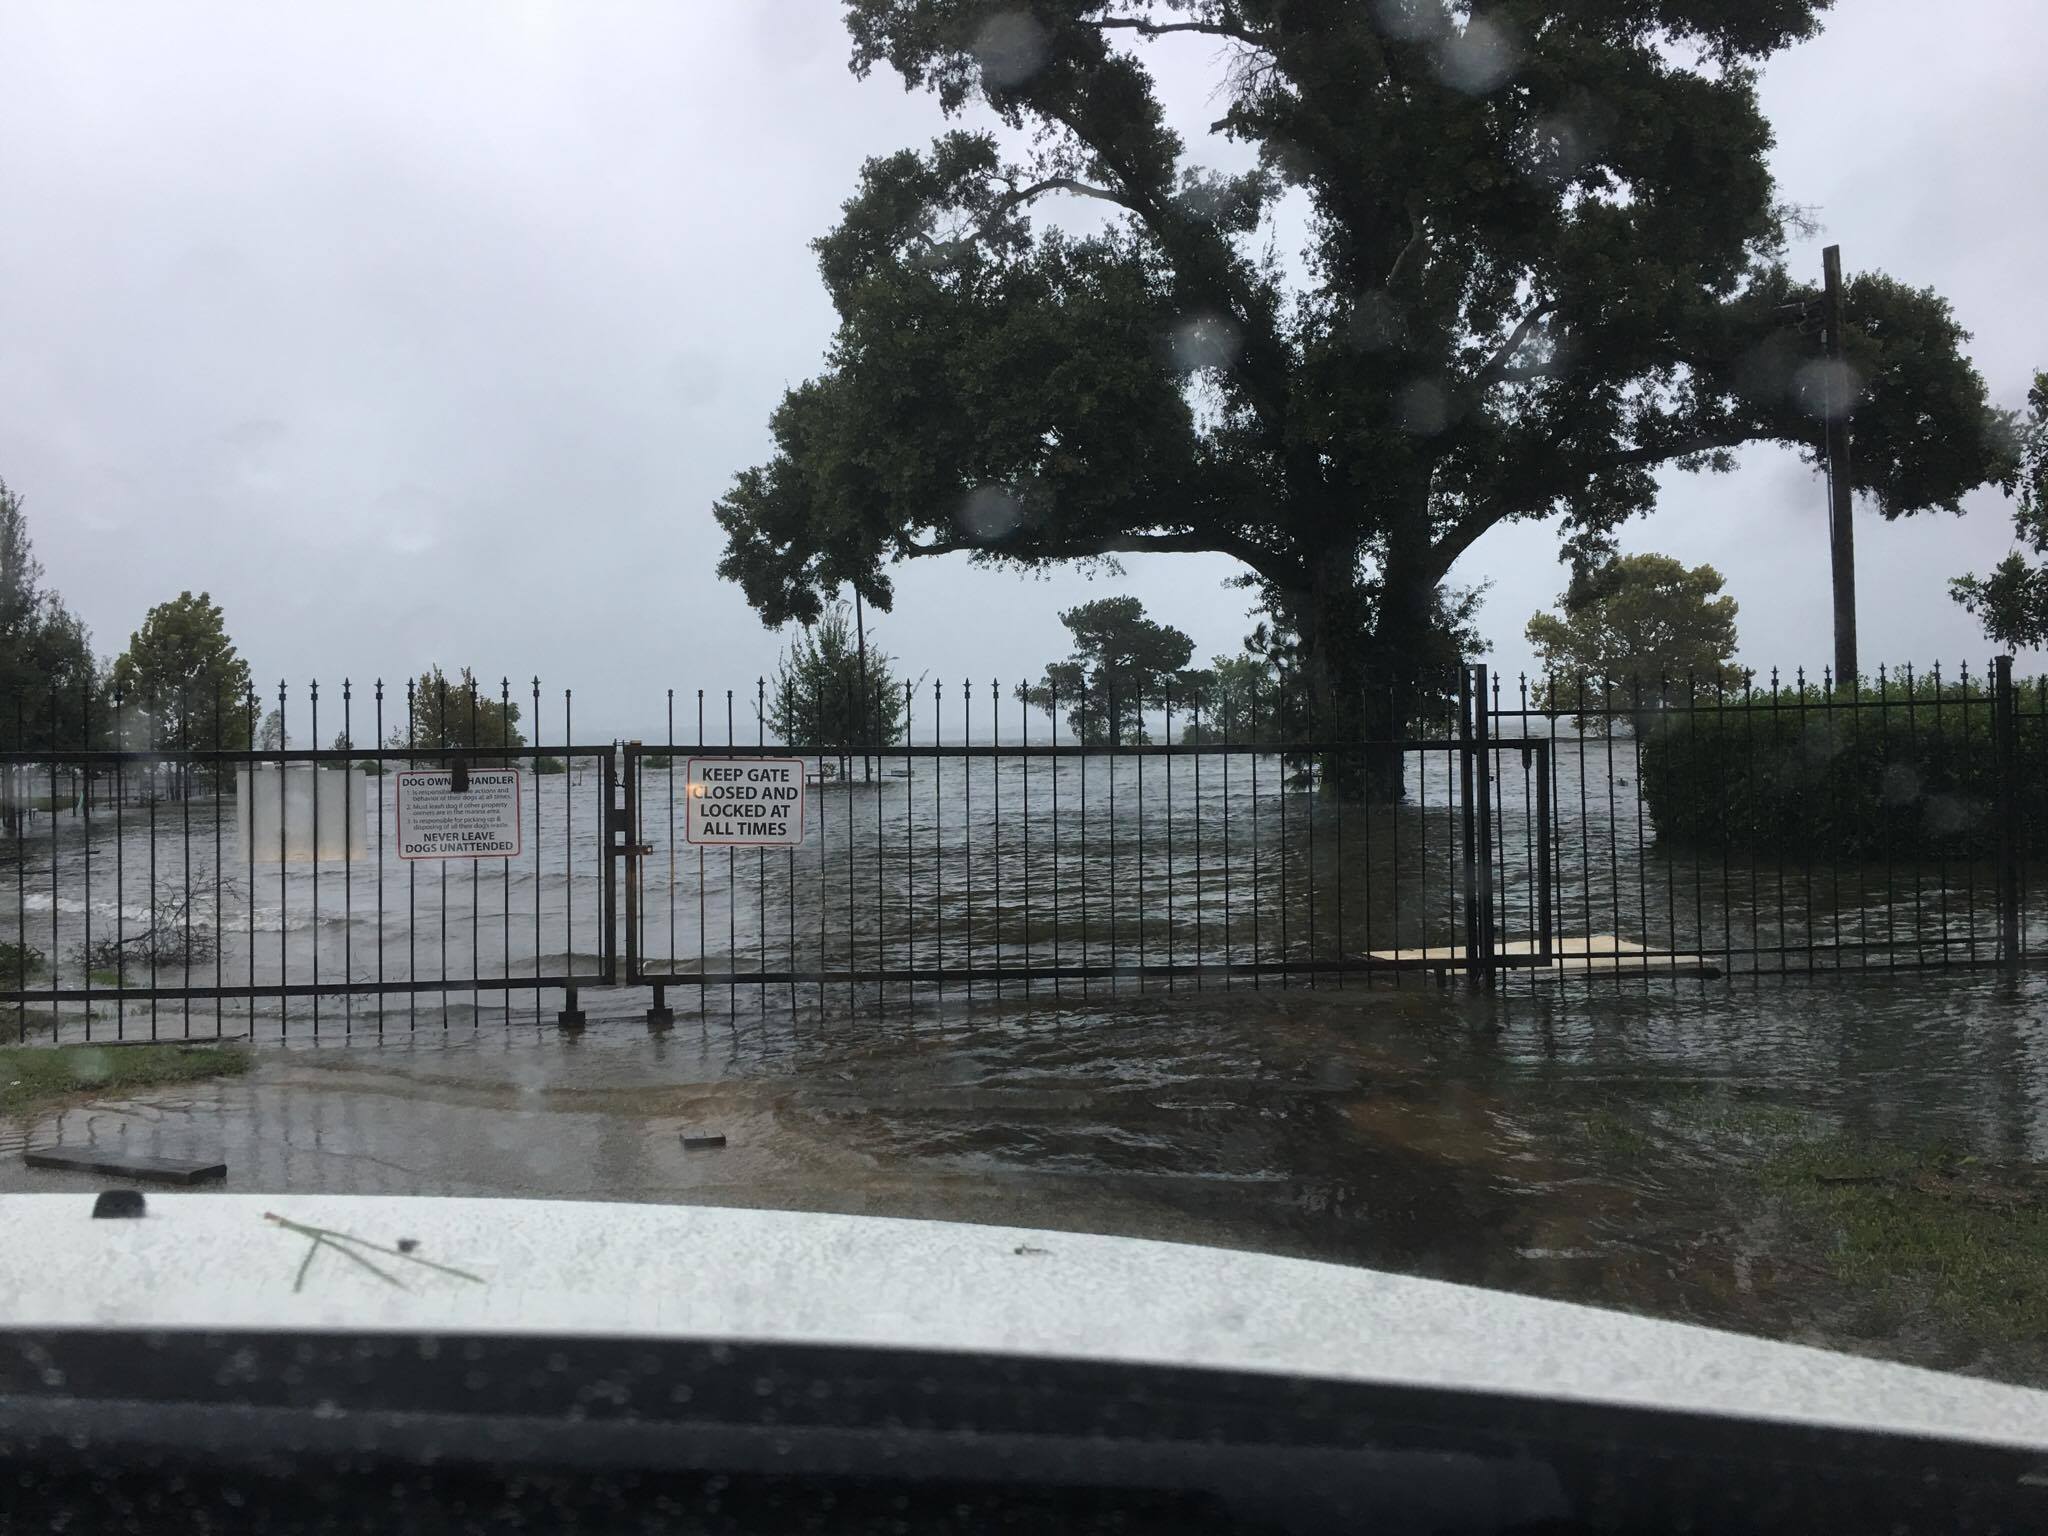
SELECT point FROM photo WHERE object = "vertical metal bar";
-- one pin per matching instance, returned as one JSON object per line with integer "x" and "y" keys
{"x": 938, "y": 833}
{"x": 732, "y": 902}
{"x": 1884, "y": 749}
{"x": 1024, "y": 816}
{"x": 995, "y": 716}
{"x": 18, "y": 807}
{"x": 1467, "y": 833}
{"x": 1201, "y": 891}
{"x": 313, "y": 774}
{"x": 669, "y": 841}
{"x": 248, "y": 854}
{"x": 284, "y": 972}
{"x": 570, "y": 1015}
{"x": 442, "y": 742}
{"x": 348, "y": 854}
{"x": 761, "y": 853}
{"x": 1315, "y": 790}
{"x": 1172, "y": 945}
{"x": 1827, "y": 695}
{"x": 1920, "y": 757}
{"x": 854, "y": 707}
{"x": 183, "y": 780}
{"x": 220, "y": 916}
{"x": 1258, "y": 975}
{"x": 155, "y": 785}
{"x": 1482, "y": 817}
{"x": 539, "y": 866}
{"x": 1229, "y": 952}
{"x": 121, "y": 1013}
{"x": 1052, "y": 702}
{"x": 910, "y": 841}
{"x": 703, "y": 893}
{"x": 1964, "y": 780}
{"x": 2006, "y": 740}
{"x": 378, "y": 746}
{"x": 17, "y": 777}
{"x": 476, "y": 868}
{"x": 1544, "y": 952}
{"x": 1144, "y": 914}
{"x": 505, "y": 735}
{"x": 1286, "y": 942}
{"x": 967, "y": 823}
{"x": 1115, "y": 763}
{"x": 1949, "y": 773}
{"x": 1086, "y": 957}
{"x": 877, "y": 740}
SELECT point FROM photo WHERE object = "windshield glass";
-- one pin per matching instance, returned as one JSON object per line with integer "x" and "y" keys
{"x": 1404, "y": 634}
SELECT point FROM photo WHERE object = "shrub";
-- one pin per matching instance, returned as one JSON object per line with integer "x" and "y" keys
{"x": 549, "y": 765}
{"x": 1904, "y": 770}
{"x": 18, "y": 962}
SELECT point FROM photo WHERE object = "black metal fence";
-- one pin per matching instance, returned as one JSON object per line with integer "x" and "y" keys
{"x": 971, "y": 848}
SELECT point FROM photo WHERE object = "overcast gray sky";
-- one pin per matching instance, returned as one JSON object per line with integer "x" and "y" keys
{"x": 430, "y": 332}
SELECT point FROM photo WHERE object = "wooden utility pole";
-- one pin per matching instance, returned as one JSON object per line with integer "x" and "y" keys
{"x": 1841, "y": 529}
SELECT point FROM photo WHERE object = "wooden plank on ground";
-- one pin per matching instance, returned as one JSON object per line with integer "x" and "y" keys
{"x": 125, "y": 1165}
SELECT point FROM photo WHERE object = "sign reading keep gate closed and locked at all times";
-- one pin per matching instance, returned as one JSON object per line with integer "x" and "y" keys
{"x": 745, "y": 802}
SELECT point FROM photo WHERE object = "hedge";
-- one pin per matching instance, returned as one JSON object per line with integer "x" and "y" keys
{"x": 1801, "y": 772}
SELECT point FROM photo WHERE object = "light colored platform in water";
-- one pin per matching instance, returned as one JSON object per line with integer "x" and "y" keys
{"x": 1604, "y": 953}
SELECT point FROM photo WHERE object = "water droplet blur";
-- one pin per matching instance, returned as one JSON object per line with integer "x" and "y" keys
{"x": 990, "y": 512}
{"x": 1479, "y": 59}
{"x": 91, "y": 1066}
{"x": 1826, "y": 388}
{"x": 1010, "y": 48}
{"x": 1561, "y": 145}
{"x": 1408, "y": 19}
{"x": 1206, "y": 341}
{"x": 1421, "y": 409}
{"x": 1901, "y": 784}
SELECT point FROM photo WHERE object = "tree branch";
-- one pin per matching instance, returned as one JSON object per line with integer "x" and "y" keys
{"x": 1108, "y": 544}
{"x": 1146, "y": 28}
{"x": 1495, "y": 367}
{"x": 1706, "y": 442}
{"x": 1011, "y": 201}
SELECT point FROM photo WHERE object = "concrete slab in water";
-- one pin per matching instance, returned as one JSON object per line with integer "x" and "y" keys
{"x": 123, "y": 1165}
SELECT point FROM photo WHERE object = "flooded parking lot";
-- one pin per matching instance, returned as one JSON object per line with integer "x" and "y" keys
{"x": 1635, "y": 1145}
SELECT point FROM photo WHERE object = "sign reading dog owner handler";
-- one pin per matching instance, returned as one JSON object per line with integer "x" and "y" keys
{"x": 743, "y": 802}
{"x": 482, "y": 822}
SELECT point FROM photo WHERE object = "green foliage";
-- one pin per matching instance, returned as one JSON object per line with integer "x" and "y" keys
{"x": 181, "y": 681}
{"x": 47, "y": 677}
{"x": 817, "y": 698}
{"x": 2012, "y": 602}
{"x": 1907, "y": 770}
{"x": 549, "y": 765}
{"x": 1545, "y": 258}
{"x": 1122, "y": 662}
{"x": 1231, "y": 700}
{"x": 18, "y": 962}
{"x": 446, "y": 713}
{"x": 1633, "y": 617}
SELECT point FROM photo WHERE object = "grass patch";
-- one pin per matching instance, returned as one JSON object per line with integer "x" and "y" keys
{"x": 31, "y": 1076}
{"x": 1925, "y": 1231}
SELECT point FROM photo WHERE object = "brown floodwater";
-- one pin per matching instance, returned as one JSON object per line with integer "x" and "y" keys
{"x": 1596, "y": 1142}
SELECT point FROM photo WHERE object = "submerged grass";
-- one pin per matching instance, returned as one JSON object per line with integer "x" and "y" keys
{"x": 34, "y": 1076}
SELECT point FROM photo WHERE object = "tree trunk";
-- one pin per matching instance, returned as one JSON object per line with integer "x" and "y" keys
{"x": 1362, "y": 666}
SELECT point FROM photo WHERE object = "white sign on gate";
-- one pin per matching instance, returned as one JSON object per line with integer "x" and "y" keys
{"x": 482, "y": 822}
{"x": 745, "y": 802}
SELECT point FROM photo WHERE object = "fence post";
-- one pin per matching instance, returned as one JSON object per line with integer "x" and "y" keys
{"x": 1467, "y": 831}
{"x": 2006, "y": 738}
{"x": 1482, "y": 815}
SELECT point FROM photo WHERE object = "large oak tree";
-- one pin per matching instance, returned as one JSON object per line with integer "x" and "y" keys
{"x": 1544, "y": 259}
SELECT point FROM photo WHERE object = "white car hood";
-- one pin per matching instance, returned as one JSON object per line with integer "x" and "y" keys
{"x": 546, "y": 1266}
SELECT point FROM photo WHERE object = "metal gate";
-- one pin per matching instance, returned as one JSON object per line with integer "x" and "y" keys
{"x": 149, "y": 900}
{"x": 993, "y": 868}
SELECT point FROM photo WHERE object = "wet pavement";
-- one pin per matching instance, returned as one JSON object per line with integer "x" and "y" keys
{"x": 1589, "y": 1143}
